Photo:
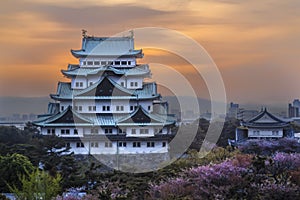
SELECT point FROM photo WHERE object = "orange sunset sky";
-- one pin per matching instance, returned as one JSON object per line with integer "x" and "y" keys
{"x": 255, "y": 44}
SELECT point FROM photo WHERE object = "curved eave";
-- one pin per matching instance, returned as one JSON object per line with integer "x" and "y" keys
{"x": 63, "y": 125}
{"x": 72, "y": 74}
{"x": 57, "y": 97}
{"x": 146, "y": 124}
{"x": 96, "y": 71}
{"x": 266, "y": 126}
{"x": 87, "y": 137}
{"x": 110, "y": 97}
{"x": 83, "y": 54}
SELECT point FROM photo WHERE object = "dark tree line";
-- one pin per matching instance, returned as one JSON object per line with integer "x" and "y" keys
{"x": 45, "y": 152}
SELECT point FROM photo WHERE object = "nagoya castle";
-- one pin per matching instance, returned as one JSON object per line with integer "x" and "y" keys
{"x": 108, "y": 107}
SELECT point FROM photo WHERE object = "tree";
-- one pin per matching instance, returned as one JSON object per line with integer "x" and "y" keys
{"x": 12, "y": 135}
{"x": 37, "y": 185}
{"x": 11, "y": 167}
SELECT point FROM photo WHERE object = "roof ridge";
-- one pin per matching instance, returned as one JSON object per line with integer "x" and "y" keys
{"x": 265, "y": 112}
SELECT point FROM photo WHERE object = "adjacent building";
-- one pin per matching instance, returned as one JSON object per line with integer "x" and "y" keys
{"x": 263, "y": 126}
{"x": 107, "y": 107}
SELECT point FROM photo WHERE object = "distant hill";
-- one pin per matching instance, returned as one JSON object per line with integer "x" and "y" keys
{"x": 204, "y": 104}
{"x": 23, "y": 105}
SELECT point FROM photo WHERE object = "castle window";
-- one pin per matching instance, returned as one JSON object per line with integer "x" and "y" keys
{"x": 117, "y": 62}
{"x": 103, "y": 62}
{"x": 164, "y": 144}
{"x": 90, "y": 62}
{"x": 119, "y": 108}
{"x": 96, "y": 63}
{"x": 108, "y": 131}
{"x": 144, "y": 131}
{"x": 106, "y": 108}
{"x": 50, "y": 131}
{"x": 79, "y": 145}
{"x": 136, "y": 144}
{"x": 92, "y": 108}
{"x": 68, "y": 145}
{"x": 133, "y": 131}
{"x": 94, "y": 144}
{"x": 129, "y": 62}
{"x": 150, "y": 144}
{"x": 122, "y": 130}
{"x": 79, "y": 84}
{"x": 122, "y": 84}
{"x": 123, "y": 63}
{"x": 75, "y": 132}
{"x": 108, "y": 144}
{"x": 122, "y": 144}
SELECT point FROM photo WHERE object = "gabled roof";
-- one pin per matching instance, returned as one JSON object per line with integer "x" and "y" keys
{"x": 65, "y": 118}
{"x": 105, "y": 87}
{"x": 107, "y": 46}
{"x": 65, "y": 92}
{"x": 141, "y": 117}
{"x": 84, "y": 71}
{"x": 265, "y": 119}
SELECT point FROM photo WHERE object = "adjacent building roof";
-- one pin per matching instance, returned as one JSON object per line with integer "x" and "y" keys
{"x": 107, "y": 46}
{"x": 264, "y": 119}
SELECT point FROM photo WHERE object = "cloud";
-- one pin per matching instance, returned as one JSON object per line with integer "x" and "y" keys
{"x": 249, "y": 40}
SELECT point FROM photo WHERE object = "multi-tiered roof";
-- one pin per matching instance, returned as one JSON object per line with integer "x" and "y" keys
{"x": 107, "y": 92}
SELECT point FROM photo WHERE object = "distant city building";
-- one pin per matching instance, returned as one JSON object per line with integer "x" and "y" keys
{"x": 233, "y": 110}
{"x": 263, "y": 126}
{"x": 107, "y": 108}
{"x": 294, "y": 108}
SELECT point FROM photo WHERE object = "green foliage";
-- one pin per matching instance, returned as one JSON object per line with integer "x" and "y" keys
{"x": 10, "y": 167}
{"x": 3, "y": 197}
{"x": 37, "y": 185}
{"x": 47, "y": 151}
{"x": 12, "y": 135}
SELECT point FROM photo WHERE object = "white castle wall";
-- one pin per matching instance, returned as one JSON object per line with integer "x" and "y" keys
{"x": 276, "y": 133}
